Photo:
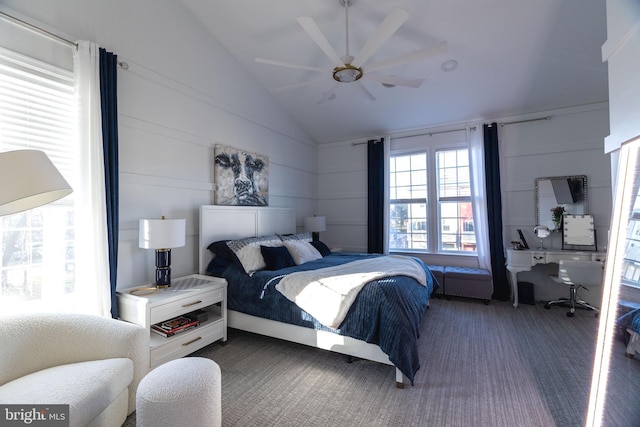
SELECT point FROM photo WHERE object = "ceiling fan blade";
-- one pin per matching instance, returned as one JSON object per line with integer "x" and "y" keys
{"x": 394, "y": 80}
{"x": 328, "y": 95}
{"x": 390, "y": 25}
{"x": 278, "y": 89}
{"x": 437, "y": 49}
{"x": 366, "y": 91}
{"x": 312, "y": 29}
{"x": 289, "y": 65}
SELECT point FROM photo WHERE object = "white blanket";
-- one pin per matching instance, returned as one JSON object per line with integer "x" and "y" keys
{"x": 327, "y": 293}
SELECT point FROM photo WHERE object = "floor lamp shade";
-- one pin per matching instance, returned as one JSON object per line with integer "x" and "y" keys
{"x": 162, "y": 235}
{"x": 29, "y": 179}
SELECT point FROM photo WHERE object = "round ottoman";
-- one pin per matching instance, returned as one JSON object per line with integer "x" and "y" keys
{"x": 182, "y": 392}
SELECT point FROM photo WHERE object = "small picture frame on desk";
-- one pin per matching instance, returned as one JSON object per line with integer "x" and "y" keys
{"x": 523, "y": 241}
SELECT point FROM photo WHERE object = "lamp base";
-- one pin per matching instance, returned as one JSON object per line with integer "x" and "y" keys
{"x": 163, "y": 277}
{"x": 163, "y": 268}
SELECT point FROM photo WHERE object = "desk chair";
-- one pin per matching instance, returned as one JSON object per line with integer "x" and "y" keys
{"x": 577, "y": 274}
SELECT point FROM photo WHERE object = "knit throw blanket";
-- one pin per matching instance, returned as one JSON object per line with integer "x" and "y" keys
{"x": 327, "y": 293}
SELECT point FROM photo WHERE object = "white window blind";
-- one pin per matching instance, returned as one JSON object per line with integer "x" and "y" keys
{"x": 37, "y": 108}
{"x": 38, "y": 111}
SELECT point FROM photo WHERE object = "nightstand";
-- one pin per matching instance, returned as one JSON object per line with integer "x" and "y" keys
{"x": 146, "y": 306}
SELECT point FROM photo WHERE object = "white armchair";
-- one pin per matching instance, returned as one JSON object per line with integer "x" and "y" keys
{"x": 92, "y": 363}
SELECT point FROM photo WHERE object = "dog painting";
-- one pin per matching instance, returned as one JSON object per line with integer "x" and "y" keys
{"x": 241, "y": 177}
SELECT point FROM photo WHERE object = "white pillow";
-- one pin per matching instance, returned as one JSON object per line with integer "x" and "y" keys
{"x": 305, "y": 237}
{"x": 248, "y": 251}
{"x": 301, "y": 252}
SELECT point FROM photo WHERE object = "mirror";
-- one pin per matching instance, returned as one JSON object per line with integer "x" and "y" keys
{"x": 542, "y": 231}
{"x": 616, "y": 371}
{"x": 578, "y": 230}
{"x": 569, "y": 191}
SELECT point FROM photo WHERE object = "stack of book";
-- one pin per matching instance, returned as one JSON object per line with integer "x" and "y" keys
{"x": 170, "y": 327}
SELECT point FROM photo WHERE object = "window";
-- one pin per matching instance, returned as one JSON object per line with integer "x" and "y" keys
{"x": 37, "y": 110}
{"x": 416, "y": 223}
{"x": 408, "y": 202}
{"x": 454, "y": 201}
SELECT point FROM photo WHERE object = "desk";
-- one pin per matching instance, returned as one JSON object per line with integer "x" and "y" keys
{"x": 524, "y": 260}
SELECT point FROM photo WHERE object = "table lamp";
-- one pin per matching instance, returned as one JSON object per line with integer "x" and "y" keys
{"x": 29, "y": 179}
{"x": 162, "y": 235}
{"x": 315, "y": 224}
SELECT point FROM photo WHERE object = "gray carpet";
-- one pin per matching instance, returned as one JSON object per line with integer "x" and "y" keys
{"x": 481, "y": 366}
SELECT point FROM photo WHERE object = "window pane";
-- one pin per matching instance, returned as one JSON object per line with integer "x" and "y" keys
{"x": 457, "y": 231}
{"x": 403, "y": 178}
{"x": 408, "y": 195}
{"x": 454, "y": 197}
{"x": 453, "y": 173}
{"x": 403, "y": 163}
{"x": 408, "y": 226}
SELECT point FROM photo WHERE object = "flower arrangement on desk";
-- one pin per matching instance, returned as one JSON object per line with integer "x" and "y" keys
{"x": 557, "y": 213}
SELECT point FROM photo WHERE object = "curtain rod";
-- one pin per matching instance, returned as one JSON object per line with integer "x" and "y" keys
{"x": 458, "y": 130}
{"x": 525, "y": 121}
{"x": 371, "y": 140}
{"x": 38, "y": 30}
{"x": 422, "y": 134}
{"x": 31, "y": 27}
{"x": 435, "y": 133}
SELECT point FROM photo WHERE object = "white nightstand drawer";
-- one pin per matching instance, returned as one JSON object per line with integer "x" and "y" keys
{"x": 185, "y": 343}
{"x": 184, "y": 305}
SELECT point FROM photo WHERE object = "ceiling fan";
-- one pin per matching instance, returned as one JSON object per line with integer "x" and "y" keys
{"x": 349, "y": 69}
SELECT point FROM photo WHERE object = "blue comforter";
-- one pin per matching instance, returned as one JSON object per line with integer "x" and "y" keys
{"x": 386, "y": 312}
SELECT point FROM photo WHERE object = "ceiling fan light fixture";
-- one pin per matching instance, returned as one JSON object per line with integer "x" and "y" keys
{"x": 347, "y": 74}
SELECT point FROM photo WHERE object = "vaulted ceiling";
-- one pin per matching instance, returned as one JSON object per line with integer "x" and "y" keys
{"x": 513, "y": 57}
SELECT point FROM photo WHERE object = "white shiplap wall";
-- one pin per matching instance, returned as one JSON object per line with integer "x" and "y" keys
{"x": 570, "y": 143}
{"x": 182, "y": 94}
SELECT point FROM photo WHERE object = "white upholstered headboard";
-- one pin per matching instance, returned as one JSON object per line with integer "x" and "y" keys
{"x": 236, "y": 222}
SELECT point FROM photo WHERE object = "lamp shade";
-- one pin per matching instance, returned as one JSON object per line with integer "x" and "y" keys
{"x": 315, "y": 224}
{"x": 29, "y": 179}
{"x": 162, "y": 233}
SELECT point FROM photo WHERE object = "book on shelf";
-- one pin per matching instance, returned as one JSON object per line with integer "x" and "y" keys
{"x": 174, "y": 326}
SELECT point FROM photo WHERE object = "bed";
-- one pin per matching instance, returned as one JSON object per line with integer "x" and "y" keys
{"x": 382, "y": 323}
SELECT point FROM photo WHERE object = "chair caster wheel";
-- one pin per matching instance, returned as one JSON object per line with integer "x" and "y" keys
{"x": 569, "y": 314}
{"x": 547, "y": 306}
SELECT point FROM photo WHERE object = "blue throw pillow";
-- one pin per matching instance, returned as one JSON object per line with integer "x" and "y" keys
{"x": 276, "y": 257}
{"x": 220, "y": 249}
{"x": 217, "y": 266}
{"x": 321, "y": 247}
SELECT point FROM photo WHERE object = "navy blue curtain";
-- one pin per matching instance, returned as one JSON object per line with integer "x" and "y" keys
{"x": 109, "y": 104}
{"x": 501, "y": 289}
{"x": 375, "y": 193}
